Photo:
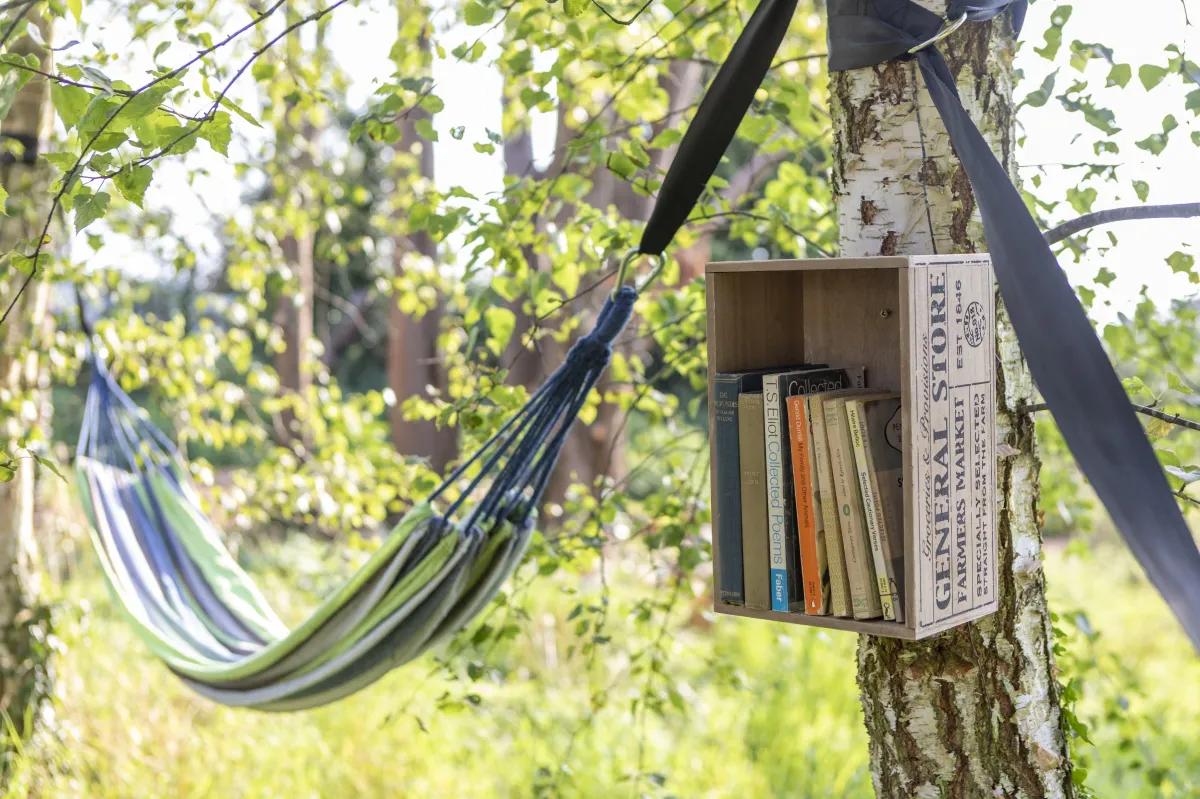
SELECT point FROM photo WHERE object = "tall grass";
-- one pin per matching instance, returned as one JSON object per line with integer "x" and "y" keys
{"x": 749, "y": 709}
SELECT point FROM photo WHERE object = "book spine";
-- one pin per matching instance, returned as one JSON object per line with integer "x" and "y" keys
{"x": 728, "y": 478}
{"x": 864, "y": 595}
{"x": 885, "y": 470}
{"x": 780, "y": 519}
{"x": 872, "y": 513}
{"x": 806, "y": 517}
{"x": 755, "y": 541}
{"x": 831, "y": 535}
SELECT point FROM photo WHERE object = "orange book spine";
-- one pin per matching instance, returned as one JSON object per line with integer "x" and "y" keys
{"x": 806, "y": 523}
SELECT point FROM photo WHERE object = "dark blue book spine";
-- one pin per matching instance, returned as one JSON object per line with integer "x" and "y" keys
{"x": 728, "y": 476}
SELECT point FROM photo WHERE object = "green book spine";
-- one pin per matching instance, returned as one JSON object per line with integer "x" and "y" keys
{"x": 755, "y": 545}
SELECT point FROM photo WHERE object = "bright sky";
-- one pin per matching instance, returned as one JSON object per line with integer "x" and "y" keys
{"x": 361, "y": 38}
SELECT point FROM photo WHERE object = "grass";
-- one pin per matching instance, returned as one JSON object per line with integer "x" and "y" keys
{"x": 749, "y": 708}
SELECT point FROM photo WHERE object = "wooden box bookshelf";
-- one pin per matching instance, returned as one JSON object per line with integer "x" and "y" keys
{"x": 920, "y": 325}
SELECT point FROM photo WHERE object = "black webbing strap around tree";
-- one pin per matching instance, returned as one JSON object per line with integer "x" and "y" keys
{"x": 1064, "y": 354}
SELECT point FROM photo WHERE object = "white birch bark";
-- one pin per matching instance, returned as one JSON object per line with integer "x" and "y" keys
{"x": 974, "y": 712}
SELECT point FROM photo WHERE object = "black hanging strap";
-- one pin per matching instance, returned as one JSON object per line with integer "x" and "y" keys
{"x": 717, "y": 119}
{"x": 1064, "y": 355}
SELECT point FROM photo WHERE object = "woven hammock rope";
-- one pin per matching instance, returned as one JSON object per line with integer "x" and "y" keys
{"x": 202, "y": 615}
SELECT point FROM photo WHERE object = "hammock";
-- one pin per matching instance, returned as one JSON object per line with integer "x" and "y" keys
{"x": 201, "y": 614}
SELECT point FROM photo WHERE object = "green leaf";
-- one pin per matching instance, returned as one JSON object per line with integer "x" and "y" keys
{"x": 424, "y": 129}
{"x": 1176, "y": 384}
{"x": 1081, "y": 200}
{"x": 162, "y": 48}
{"x": 1188, "y": 476}
{"x": 1105, "y": 277}
{"x": 1151, "y": 75}
{"x": 263, "y": 70}
{"x": 132, "y": 182}
{"x": 477, "y": 14}
{"x": 76, "y": 7}
{"x": 575, "y": 8}
{"x": 3, "y": 198}
{"x": 71, "y": 102}
{"x": 7, "y": 473}
{"x": 22, "y": 263}
{"x": 91, "y": 209}
{"x": 49, "y": 464}
{"x": 237, "y": 109}
{"x": 457, "y": 132}
{"x": 1182, "y": 263}
{"x": 501, "y": 322}
{"x": 218, "y": 132}
{"x": 1040, "y": 96}
{"x": 97, "y": 77}
{"x": 1119, "y": 75}
{"x": 1196, "y": 137}
{"x": 96, "y": 116}
{"x": 1142, "y": 188}
{"x": 621, "y": 165}
{"x": 1053, "y": 34}
{"x": 1193, "y": 102}
{"x": 9, "y": 85}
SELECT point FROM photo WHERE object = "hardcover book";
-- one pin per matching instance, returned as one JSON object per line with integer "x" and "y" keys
{"x": 786, "y": 594}
{"x": 755, "y": 547}
{"x": 875, "y": 433}
{"x": 860, "y": 570}
{"x": 727, "y": 478}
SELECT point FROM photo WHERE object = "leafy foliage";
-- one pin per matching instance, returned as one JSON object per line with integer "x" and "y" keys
{"x": 512, "y": 276}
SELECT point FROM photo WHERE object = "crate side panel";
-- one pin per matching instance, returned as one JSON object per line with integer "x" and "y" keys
{"x": 911, "y": 560}
{"x": 953, "y": 388}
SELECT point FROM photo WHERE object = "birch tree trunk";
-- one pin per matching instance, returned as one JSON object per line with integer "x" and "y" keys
{"x": 24, "y": 408}
{"x": 974, "y": 712}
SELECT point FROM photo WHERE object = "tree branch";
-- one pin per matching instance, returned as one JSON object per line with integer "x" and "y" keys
{"x": 1169, "y": 418}
{"x": 1068, "y": 229}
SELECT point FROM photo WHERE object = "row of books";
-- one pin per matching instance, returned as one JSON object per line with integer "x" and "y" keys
{"x": 808, "y": 467}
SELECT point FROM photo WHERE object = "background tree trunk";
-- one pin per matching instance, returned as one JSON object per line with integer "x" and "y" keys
{"x": 974, "y": 712}
{"x": 413, "y": 363}
{"x": 296, "y": 147}
{"x": 24, "y": 407}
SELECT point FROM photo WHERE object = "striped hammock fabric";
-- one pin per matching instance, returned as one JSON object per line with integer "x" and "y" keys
{"x": 199, "y": 612}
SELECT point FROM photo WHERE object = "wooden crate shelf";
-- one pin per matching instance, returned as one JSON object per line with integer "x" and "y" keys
{"x": 922, "y": 325}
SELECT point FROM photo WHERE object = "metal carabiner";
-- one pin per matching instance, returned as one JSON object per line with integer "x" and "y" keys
{"x": 630, "y": 257}
{"x": 948, "y": 27}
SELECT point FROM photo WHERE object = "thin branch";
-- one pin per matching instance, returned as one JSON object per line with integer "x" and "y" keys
{"x": 1169, "y": 418}
{"x": 749, "y": 215}
{"x": 625, "y": 22}
{"x": 1068, "y": 229}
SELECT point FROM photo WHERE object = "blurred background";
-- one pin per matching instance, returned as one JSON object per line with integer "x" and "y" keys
{"x": 395, "y": 237}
